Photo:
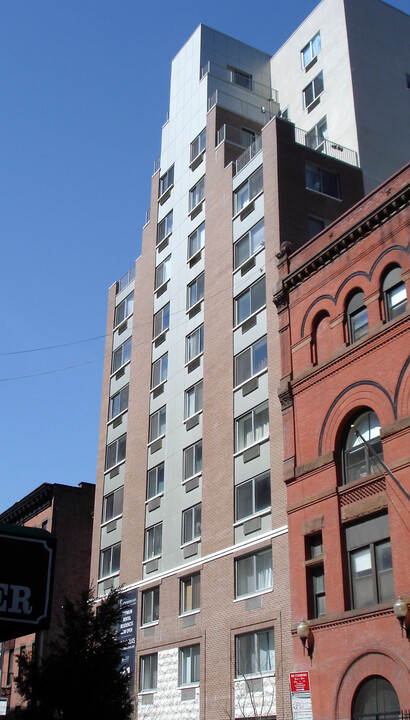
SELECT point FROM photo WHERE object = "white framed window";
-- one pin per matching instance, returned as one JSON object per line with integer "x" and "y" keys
{"x": 250, "y": 301}
{"x": 197, "y": 193}
{"x": 159, "y": 371}
{"x": 161, "y": 320}
{"x": 193, "y": 399}
{"x": 370, "y": 561}
{"x": 255, "y": 653}
{"x": 153, "y": 541}
{"x": 251, "y": 361}
{"x": 166, "y": 181}
{"x": 124, "y": 309}
{"x": 110, "y": 560}
{"x": 189, "y": 665}
{"x": 150, "y": 606}
{"x": 394, "y": 293}
{"x": 196, "y": 241}
{"x": 322, "y": 181}
{"x": 191, "y": 524}
{"x": 155, "y": 481}
{"x": 198, "y": 145}
{"x": 252, "y": 427}
{"x": 119, "y": 402}
{"x": 115, "y": 452}
{"x": 311, "y": 50}
{"x": 195, "y": 291}
{"x": 162, "y": 272}
{"x": 164, "y": 227}
{"x": 193, "y": 460}
{"x": 312, "y": 91}
{"x": 249, "y": 190}
{"x": 112, "y": 506}
{"x": 190, "y": 593}
{"x": 252, "y": 496}
{"x": 357, "y": 318}
{"x": 357, "y": 460}
{"x": 194, "y": 344}
{"x": 239, "y": 77}
{"x": 157, "y": 424}
{"x": 253, "y": 573}
{"x": 121, "y": 355}
{"x": 249, "y": 244}
{"x": 315, "y": 138}
{"x": 149, "y": 672}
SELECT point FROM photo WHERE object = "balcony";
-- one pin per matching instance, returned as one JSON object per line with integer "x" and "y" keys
{"x": 241, "y": 80}
{"x": 327, "y": 147}
{"x": 126, "y": 279}
{"x": 259, "y": 113}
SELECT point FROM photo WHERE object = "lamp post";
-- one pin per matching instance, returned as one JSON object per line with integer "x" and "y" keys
{"x": 400, "y": 610}
{"x": 303, "y": 631}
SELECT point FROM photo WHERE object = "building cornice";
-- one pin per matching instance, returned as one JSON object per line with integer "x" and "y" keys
{"x": 29, "y": 506}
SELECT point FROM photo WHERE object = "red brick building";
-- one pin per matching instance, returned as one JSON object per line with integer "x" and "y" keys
{"x": 344, "y": 318}
{"x": 66, "y": 512}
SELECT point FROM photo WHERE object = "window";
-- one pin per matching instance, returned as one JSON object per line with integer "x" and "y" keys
{"x": 189, "y": 665}
{"x": 376, "y": 698}
{"x": 124, "y": 309}
{"x": 196, "y": 241}
{"x": 198, "y": 145}
{"x": 315, "y": 225}
{"x": 164, "y": 228}
{"x": 162, "y": 272}
{"x": 316, "y": 591}
{"x": 161, "y": 321}
{"x": 115, "y": 452}
{"x": 313, "y": 90}
{"x": 249, "y": 244}
{"x": 195, "y": 291}
{"x": 249, "y": 190}
{"x": 316, "y": 137}
{"x": 166, "y": 181}
{"x": 149, "y": 672}
{"x": 193, "y": 400}
{"x": 357, "y": 320}
{"x": 314, "y": 546}
{"x": 113, "y": 504}
{"x": 121, "y": 355}
{"x": 370, "y": 561}
{"x": 254, "y": 573}
{"x": 110, "y": 560}
{"x": 22, "y": 654}
{"x": 157, "y": 422}
{"x": 10, "y": 664}
{"x": 311, "y": 50}
{"x": 358, "y": 462}
{"x": 252, "y": 496}
{"x": 150, "y": 606}
{"x": 197, "y": 193}
{"x": 250, "y": 301}
{"x": 239, "y": 77}
{"x": 155, "y": 481}
{"x": 190, "y": 593}
{"x": 251, "y": 361}
{"x": 252, "y": 427}
{"x": 194, "y": 344}
{"x": 322, "y": 181}
{"x": 191, "y": 524}
{"x": 394, "y": 294}
{"x": 255, "y": 653}
{"x": 159, "y": 371}
{"x": 119, "y": 402}
{"x": 193, "y": 460}
{"x": 153, "y": 541}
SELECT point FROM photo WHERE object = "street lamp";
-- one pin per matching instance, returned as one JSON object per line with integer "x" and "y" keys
{"x": 400, "y": 609}
{"x": 303, "y": 631}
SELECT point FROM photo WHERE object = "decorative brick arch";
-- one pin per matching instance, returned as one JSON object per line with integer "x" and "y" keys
{"x": 364, "y": 393}
{"x": 373, "y": 661}
{"x": 402, "y": 394}
{"x": 395, "y": 255}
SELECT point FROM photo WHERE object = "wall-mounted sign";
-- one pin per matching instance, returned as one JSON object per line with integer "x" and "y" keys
{"x": 300, "y": 696}
{"x": 26, "y": 579}
{"x": 127, "y": 631}
{"x": 3, "y": 706}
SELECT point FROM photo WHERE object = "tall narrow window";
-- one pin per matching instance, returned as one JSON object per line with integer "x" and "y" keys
{"x": 121, "y": 355}
{"x": 157, "y": 424}
{"x": 357, "y": 317}
{"x": 161, "y": 321}
{"x": 112, "y": 506}
{"x": 252, "y": 427}
{"x": 115, "y": 452}
{"x": 110, "y": 560}
{"x": 313, "y": 90}
{"x": 149, "y": 672}
{"x": 251, "y": 361}
{"x": 250, "y": 301}
{"x": 370, "y": 561}
{"x": 159, "y": 371}
{"x": 191, "y": 524}
{"x": 193, "y": 400}
{"x": 190, "y": 593}
{"x": 124, "y": 309}
{"x": 155, "y": 481}
{"x": 197, "y": 194}
{"x": 162, "y": 272}
{"x": 195, "y": 291}
{"x": 358, "y": 461}
{"x": 249, "y": 190}
{"x": 194, "y": 344}
{"x": 164, "y": 228}
{"x": 196, "y": 241}
{"x": 150, "y": 606}
{"x": 166, "y": 181}
{"x": 249, "y": 244}
{"x": 310, "y": 50}
{"x": 189, "y": 665}
{"x": 153, "y": 541}
{"x": 119, "y": 402}
{"x": 198, "y": 145}
{"x": 394, "y": 294}
{"x": 193, "y": 460}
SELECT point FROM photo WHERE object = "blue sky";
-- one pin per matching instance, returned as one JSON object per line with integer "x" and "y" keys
{"x": 84, "y": 90}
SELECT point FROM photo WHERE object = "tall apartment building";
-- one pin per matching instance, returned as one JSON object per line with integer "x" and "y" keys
{"x": 190, "y": 501}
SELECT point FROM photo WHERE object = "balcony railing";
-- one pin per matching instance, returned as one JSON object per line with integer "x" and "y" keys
{"x": 235, "y": 136}
{"x": 327, "y": 147}
{"x": 223, "y": 73}
{"x": 157, "y": 164}
{"x": 249, "y": 153}
{"x": 259, "y": 114}
{"x": 126, "y": 279}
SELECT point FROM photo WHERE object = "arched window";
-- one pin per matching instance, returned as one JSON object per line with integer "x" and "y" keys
{"x": 357, "y": 459}
{"x": 394, "y": 293}
{"x": 357, "y": 316}
{"x": 376, "y": 699}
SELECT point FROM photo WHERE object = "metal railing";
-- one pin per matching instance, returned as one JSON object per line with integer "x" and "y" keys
{"x": 327, "y": 147}
{"x": 157, "y": 164}
{"x": 147, "y": 215}
{"x": 126, "y": 279}
{"x": 233, "y": 135}
{"x": 223, "y": 73}
{"x": 249, "y": 153}
{"x": 259, "y": 114}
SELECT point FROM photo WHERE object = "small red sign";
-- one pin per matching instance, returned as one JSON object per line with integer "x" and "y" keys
{"x": 299, "y": 682}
